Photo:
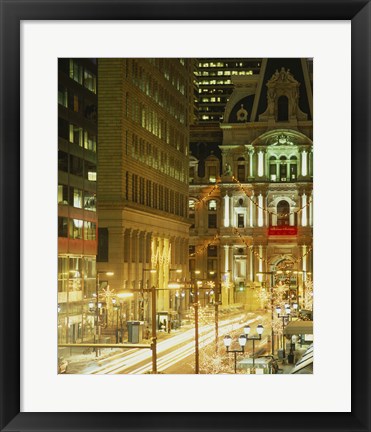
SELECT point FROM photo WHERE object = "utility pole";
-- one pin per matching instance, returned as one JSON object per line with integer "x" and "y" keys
{"x": 154, "y": 331}
{"x": 197, "y": 366}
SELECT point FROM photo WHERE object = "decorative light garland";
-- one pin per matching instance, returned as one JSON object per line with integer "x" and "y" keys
{"x": 264, "y": 209}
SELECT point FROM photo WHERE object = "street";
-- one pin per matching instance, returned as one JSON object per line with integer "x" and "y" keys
{"x": 175, "y": 352}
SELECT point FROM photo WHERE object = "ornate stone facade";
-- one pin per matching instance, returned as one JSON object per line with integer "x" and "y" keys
{"x": 257, "y": 215}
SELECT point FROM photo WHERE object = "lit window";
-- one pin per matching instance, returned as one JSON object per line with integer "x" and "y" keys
{"x": 89, "y": 201}
{"x": 90, "y": 141}
{"x": 89, "y": 230}
{"x": 62, "y": 96}
{"x": 212, "y": 205}
{"x": 92, "y": 176}
{"x": 75, "y": 71}
{"x": 77, "y": 198}
{"x": 76, "y": 134}
{"x": 76, "y": 228}
{"x": 191, "y": 204}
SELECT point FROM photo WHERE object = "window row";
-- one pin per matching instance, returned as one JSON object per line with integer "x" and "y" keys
{"x": 153, "y": 195}
{"x": 76, "y": 274}
{"x": 77, "y": 103}
{"x": 229, "y": 64}
{"x": 82, "y": 75}
{"x": 212, "y": 251}
{"x": 77, "y": 166}
{"x": 211, "y": 205}
{"x": 161, "y": 96}
{"x": 148, "y": 153}
{"x": 170, "y": 72}
{"x": 76, "y": 229}
{"x": 76, "y": 197}
{"x": 77, "y": 135}
{"x": 215, "y": 82}
{"x": 225, "y": 73}
{"x": 155, "y": 124}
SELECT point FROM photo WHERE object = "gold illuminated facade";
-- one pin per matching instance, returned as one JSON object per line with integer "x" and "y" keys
{"x": 144, "y": 111}
{"x": 252, "y": 207}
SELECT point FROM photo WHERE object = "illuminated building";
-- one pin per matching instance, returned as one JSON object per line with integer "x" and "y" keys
{"x": 144, "y": 109}
{"x": 252, "y": 208}
{"x": 213, "y": 78}
{"x": 77, "y": 220}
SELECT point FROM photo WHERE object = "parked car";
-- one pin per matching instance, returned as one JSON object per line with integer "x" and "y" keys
{"x": 62, "y": 365}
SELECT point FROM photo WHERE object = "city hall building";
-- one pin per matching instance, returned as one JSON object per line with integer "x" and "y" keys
{"x": 251, "y": 202}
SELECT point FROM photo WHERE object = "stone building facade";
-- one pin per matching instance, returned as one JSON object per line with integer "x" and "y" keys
{"x": 142, "y": 192}
{"x": 252, "y": 211}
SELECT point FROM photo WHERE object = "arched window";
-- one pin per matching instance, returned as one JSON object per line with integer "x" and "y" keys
{"x": 212, "y": 205}
{"x": 241, "y": 169}
{"x": 293, "y": 168}
{"x": 283, "y": 213}
{"x": 282, "y": 109}
{"x": 273, "y": 168}
{"x": 212, "y": 216}
{"x": 191, "y": 212}
{"x": 283, "y": 168}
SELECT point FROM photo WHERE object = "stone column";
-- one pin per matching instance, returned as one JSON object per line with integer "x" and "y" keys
{"x": 251, "y": 164}
{"x": 311, "y": 209}
{"x": 251, "y": 210}
{"x": 226, "y": 220}
{"x": 231, "y": 211}
{"x": 260, "y": 211}
{"x": 304, "y": 211}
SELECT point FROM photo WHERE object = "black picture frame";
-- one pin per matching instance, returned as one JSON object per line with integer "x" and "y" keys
{"x": 12, "y": 12}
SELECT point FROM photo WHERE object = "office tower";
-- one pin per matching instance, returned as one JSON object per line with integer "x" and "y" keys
{"x": 77, "y": 220}
{"x": 144, "y": 111}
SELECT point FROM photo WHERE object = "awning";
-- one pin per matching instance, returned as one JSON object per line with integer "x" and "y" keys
{"x": 299, "y": 327}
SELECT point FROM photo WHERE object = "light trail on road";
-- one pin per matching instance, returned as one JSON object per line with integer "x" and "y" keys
{"x": 124, "y": 361}
{"x": 183, "y": 352}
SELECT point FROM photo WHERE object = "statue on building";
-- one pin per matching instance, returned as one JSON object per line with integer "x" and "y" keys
{"x": 228, "y": 170}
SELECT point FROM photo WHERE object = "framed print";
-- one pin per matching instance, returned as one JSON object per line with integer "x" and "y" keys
{"x": 209, "y": 159}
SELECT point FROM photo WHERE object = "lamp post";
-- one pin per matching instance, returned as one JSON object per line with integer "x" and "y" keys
{"x": 227, "y": 343}
{"x": 272, "y": 282}
{"x": 195, "y": 298}
{"x": 172, "y": 284}
{"x": 117, "y": 308}
{"x": 144, "y": 286}
{"x": 288, "y": 313}
{"x": 97, "y": 308}
{"x": 259, "y": 331}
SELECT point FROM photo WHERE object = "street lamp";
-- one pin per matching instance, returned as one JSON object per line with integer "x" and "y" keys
{"x": 259, "y": 331}
{"x": 172, "y": 284}
{"x": 271, "y": 273}
{"x": 141, "y": 313}
{"x": 288, "y": 314}
{"x": 98, "y": 305}
{"x": 117, "y": 308}
{"x": 195, "y": 298}
{"x": 227, "y": 343}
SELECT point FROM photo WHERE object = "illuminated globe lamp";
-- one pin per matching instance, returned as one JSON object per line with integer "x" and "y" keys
{"x": 227, "y": 343}
{"x": 288, "y": 314}
{"x": 259, "y": 331}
